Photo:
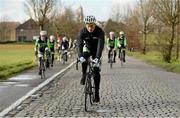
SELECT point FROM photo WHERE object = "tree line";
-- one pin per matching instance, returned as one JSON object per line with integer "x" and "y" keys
{"x": 160, "y": 18}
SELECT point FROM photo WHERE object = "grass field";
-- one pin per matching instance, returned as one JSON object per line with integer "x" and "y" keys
{"x": 155, "y": 58}
{"x": 15, "y": 58}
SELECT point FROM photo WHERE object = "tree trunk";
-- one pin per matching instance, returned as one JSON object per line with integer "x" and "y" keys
{"x": 171, "y": 45}
{"x": 177, "y": 50}
{"x": 144, "y": 48}
{"x": 41, "y": 27}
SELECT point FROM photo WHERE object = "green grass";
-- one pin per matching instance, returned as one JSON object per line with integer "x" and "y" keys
{"x": 155, "y": 58}
{"x": 15, "y": 58}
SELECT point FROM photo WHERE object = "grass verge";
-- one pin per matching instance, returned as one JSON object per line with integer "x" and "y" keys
{"x": 155, "y": 58}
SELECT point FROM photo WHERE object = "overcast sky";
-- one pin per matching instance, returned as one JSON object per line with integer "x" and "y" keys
{"x": 13, "y": 9}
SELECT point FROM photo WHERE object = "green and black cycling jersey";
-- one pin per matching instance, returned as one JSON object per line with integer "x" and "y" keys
{"x": 40, "y": 45}
{"x": 112, "y": 43}
{"x": 122, "y": 41}
{"x": 51, "y": 45}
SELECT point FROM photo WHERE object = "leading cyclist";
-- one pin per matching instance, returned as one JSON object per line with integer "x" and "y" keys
{"x": 41, "y": 45}
{"x": 91, "y": 43}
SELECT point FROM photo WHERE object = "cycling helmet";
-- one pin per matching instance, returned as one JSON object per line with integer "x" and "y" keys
{"x": 43, "y": 33}
{"x": 52, "y": 37}
{"x": 64, "y": 39}
{"x": 121, "y": 33}
{"x": 46, "y": 49}
{"x": 111, "y": 33}
{"x": 90, "y": 19}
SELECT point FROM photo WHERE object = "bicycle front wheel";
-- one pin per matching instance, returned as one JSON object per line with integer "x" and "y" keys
{"x": 88, "y": 93}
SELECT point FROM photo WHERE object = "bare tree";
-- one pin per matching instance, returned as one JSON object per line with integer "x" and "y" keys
{"x": 65, "y": 23}
{"x": 40, "y": 10}
{"x": 116, "y": 15}
{"x": 168, "y": 12}
{"x": 144, "y": 13}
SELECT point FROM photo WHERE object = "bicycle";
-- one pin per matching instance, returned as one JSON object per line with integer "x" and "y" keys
{"x": 64, "y": 56}
{"x": 121, "y": 55}
{"x": 89, "y": 89}
{"x": 42, "y": 66}
{"x": 111, "y": 59}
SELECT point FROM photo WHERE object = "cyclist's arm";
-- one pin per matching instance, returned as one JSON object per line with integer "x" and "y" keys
{"x": 125, "y": 42}
{"x": 100, "y": 45}
{"x": 36, "y": 45}
{"x": 107, "y": 43}
{"x": 80, "y": 43}
{"x": 48, "y": 44}
{"x": 118, "y": 43}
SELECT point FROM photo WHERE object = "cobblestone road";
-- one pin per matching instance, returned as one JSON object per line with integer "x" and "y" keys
{"x": 136, "y": 89}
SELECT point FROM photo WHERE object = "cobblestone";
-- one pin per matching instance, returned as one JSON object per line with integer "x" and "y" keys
{"x": 134, "y": 90}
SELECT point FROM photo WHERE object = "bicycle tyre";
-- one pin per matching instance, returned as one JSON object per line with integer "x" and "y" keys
{"x": 88, "y": 92}
{"x": 121, "y": 58}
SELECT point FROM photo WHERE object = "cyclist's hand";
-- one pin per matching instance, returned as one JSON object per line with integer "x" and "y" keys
{"x": 96, "y": 62}
{"x": 82, "y": 59}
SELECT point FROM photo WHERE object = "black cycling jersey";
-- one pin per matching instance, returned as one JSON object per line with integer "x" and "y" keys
{"x": 94, "y": 41}
{"x": 65, "y": 45}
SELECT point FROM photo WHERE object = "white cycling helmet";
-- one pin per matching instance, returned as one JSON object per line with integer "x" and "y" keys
{"x": 64, "y": 39}
{"x": 46, "y": 49}
{"x": 90, "y": 19}
{"x": 43, "y": 33}
{"x": 111, "y": 33}
{"x": 121, "y": 33}
{"x": 52, "y": 37}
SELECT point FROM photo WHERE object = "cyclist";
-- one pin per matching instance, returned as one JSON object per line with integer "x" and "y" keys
{"x": 51, "y": 46}
{"x": 111, "y": 46}
{"x": 41, "y": 45}
{"x": 122, "y": 43}
{"x": 64, "y": 46}
{"x": 91, "y": 43}
{"x": 58, "y": 48}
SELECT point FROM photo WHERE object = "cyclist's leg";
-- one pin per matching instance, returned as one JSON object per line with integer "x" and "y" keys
{"x": 97, "y": 78}
{"x": 66, "y": 54}
{"x": 119, "y": 52}
{"x": 39, "y": 64}
{"x": 109, "y": 54}
{"x": 84, "y": 68}
{"x": 52, "y": 59}
{"x": 124, "y": 53}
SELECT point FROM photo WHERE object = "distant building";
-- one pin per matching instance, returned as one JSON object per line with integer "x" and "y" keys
{"x": 27, "y": 31}
{"x": 8, "y": 31}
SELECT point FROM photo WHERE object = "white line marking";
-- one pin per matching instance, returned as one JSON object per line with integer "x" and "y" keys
{"x": 19, "y": 101}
